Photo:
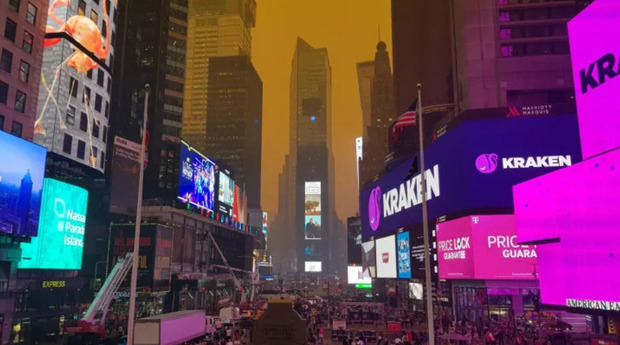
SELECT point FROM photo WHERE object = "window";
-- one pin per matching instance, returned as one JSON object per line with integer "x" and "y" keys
{"x": 1, "y": 122}
{"x": 89, "y": 74}
{"x": 104, "y": 29}
{"x": 70, "y": 116}
{"x": 104, "y": 136}
{"x": 107, "y": 109}
{"x": 66, "y": 144}
{"x": 81, "y": 149}
{"x": 86, "y": 95}
{"x": 31, "y": 13}
{"x": 95, "y": 128}
{"x": 4, "y": 92}
{"x": 83, "y": 122}
{"x": 28, "y": 42}
{"x": 109, "y": 86}
{"x": 14, "y": 5}
{"x": 20, "y": 101}
{"x": 82, "y": 8}
{"x": 24, "y": 71}
{"x": 94, "y": 16}
{"x": 94, "y": 152}
{"x": 98, "y": 102}
{"x": 73, "y": 86}
{"x": 100, "y": 76}
{"x": 102, "y": 161}
{"x": 6, "y": 61}
{"x": 10, "y": 29}
{"x": 16, "y": 129}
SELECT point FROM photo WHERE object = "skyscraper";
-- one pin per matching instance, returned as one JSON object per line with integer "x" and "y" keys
{"x": 234, "y": 125}
{"x": 22, "y": 53}
{"x": 365, "y": 73}
{"x": 215, "y": 28}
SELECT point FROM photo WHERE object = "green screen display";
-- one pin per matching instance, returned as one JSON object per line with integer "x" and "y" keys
{"x": 62, "y": 223}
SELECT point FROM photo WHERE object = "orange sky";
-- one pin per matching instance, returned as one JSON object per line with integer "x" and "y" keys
{"x": 348, "y": 29}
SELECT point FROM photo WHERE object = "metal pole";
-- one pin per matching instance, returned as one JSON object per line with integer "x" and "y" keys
{"x": 427, "y": 254}
{"x": 136, "y": 241}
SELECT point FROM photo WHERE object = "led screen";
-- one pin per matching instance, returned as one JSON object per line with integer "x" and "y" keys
{"x": 62, "y": 224}
{"x": 226, "y": 191}
{"x": 196, "y": 178}
{"x": 312, "y": 211}
{"x": 265, "y": 225}
{"x": 368, "y": 259}
{"x": 416, "y": 291}
{"x": 386, "y": 257}
{"x": 484, "y": 247}
{"x": 404, "y": 255}
{"x": 21, "y": 181}
{"x": 595, "y": 57}
{"x": 313, "y": 266}
{"x": 578, "y": 207}
{"x": 355, "y": 275}
{"x": 471, "y": 169}
{"x": 236, "y": 203}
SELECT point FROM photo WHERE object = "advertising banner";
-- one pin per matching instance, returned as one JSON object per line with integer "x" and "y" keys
{"x": 404, "y": 255}
{"x": 62, "y": 225}
{"x": 386, "y": 257}
{"x": 196, "y": 178}
{"x": 577, "y": 210}
{"x": 265, "y": 225}
{"x": 355, "y": 275}
{"x": 312, "y": 211}
{"x": 124, "y": 176}
{"x": 595, "y": 56}
{"x": 470, "y": 169}
{"x": 368, "y": 259}
{"x": 313, "y": 266}
{"x": 225, "y": 195}
{"x": 21, "y": 182}
{"x": 484, "y": 247}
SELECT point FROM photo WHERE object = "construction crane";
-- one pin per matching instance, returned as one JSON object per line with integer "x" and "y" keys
{"x": 93, "y": 321}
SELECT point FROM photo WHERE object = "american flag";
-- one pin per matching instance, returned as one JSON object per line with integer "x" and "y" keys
{"x": 406, "y": 119}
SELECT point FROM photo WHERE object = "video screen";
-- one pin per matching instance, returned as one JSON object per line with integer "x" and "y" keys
{"x": 404, "y": 255}
{"x": 62, "y": 225}
{"x": 226, "y": 191}
{"x": 355, "y": 275}
{"x": 21, "y": 181}
{"x": 368, "y": 259}
{"x": 313, "y": 266}
{"x": 416, "y": 291}
{"x": 386, "y": 257}
{"x": 312, "y": 211}
{"x": 196, "y": 178}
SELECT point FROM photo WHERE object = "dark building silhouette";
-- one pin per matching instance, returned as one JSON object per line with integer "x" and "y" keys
{"x": 23, "y": 204}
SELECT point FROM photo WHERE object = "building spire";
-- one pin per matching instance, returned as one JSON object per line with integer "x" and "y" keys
{"x": 379, "y": 32}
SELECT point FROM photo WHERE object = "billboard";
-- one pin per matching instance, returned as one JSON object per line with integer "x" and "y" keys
{"x": 196, "y": 178}
{"x": 62, "y": 225}
{"x": 386, "y": 257}
{"x": 225, "y": 195}
{"x": 594, "y": 47}
{"x": 577, "y": 210}
{"x": 312, "y": 211}
{"x": 404, "y": 255}
{"x": 21, "y": 181}
{"x": 470, "y": 169}
{"x": 416, "y": 291}
{"x": 125, "y": 176}
{"x": 313, "y": 266}
{"x": 236, "y": 203}
{"x": 484, "y": 247}
{"x": 265, "y": 225}
{"x": 355, "y": 275}
{"x": 368, "y": 259}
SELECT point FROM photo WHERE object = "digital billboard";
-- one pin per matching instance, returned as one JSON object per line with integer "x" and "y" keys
{"x": 416, "y": 291}
{"x": 470, "y": 169}
{"x": 196, "y": 178}
{"x": 21, "y": 181}
{"x": 312, "y": 211}
{"x": 368, "y": 259}
{"x": 577, "y": 210}
{"x": 313, "y": 266}
{"x": 265, "y": 225}
{"x": 404, "y": 255}
{"x": 125, "y": 176}
{"x": 355, "y": 275}
{"x": 226, "y": 190}
{"x": 484, "y": 247}
{"x": 595, "y": 56}
{"x": 236, "y": 203}
{"x": 386, "y": 257}
{"x": 62, "y": 225}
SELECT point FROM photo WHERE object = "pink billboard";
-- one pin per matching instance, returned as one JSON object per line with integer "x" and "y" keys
{"x": 484, "y": 247}
{"x": 595, "y": 55}
{"x": 578, "y": 208}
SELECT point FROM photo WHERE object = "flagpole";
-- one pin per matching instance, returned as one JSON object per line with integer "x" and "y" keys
{"x": 427, "y": 254}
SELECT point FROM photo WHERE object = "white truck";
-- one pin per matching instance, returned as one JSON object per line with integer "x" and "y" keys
{"x": 170, "y": 329}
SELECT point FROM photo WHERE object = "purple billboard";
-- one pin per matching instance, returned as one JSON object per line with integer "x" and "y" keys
{"x": 595, "y": 55}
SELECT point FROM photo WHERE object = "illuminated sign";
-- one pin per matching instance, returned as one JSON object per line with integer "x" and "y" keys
{"x": 196, "y": 178}
{"x": 62, "y": 225}
{"x": 363, "y": 286}
{"x": 50, "y": 284}
{"x": 386, "y": 257}
{"x": 312, "y": 211}
{"x": 359, "y": 148}
{"x": 404, "y": 255}
{"x": 355, "y": 275}
{"x": 313, "y": 266}
{"x": 368, "y": 259}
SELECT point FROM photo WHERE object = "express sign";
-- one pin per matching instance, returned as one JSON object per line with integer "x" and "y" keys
{"x": 469, "y": 170}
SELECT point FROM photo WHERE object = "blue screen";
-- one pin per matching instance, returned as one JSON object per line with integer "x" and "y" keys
{"x": 404, "y": 256}
{"x": 196, "y": 178}
{"x": 22, "y": 166}
{"x": 472, "y": 168}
